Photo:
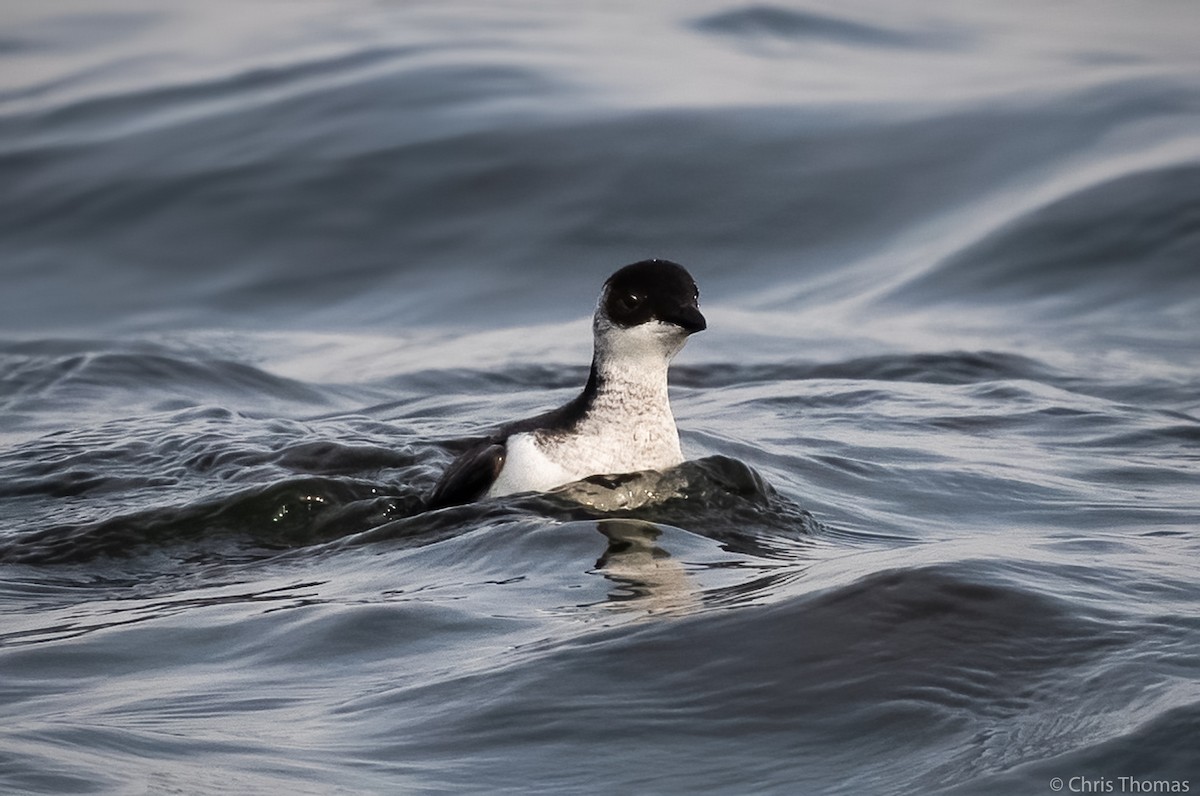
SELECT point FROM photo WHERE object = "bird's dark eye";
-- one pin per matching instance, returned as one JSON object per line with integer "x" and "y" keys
{"x": 627, "y": 303}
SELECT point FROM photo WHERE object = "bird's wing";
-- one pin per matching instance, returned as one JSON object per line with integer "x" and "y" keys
{"x": 469, "y": 476}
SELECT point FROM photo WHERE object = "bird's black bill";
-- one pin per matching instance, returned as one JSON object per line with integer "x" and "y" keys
{"x": 687, "y": 317}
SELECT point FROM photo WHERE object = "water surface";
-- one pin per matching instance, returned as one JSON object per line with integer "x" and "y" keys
{"x": 938, "y": 528}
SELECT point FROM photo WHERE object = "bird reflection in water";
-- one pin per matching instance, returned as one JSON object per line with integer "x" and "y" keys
{"x": 647, "y": 578}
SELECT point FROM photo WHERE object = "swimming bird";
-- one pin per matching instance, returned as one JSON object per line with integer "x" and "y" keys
{"x": 621, "y": 422}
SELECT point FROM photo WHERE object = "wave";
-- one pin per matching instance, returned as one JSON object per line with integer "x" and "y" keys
{"x": 278, "y": 516}
{"x": 1159, "y": 749}
{"x": 892, "y": 664}
{"x": 751, "y": 25}
{"x": 282, "y": 210}
{"x": 1132, "y": 241}
{"x": 45, "y": 374}
{"x": 954, "y": 367}
{"x": 383, "y": 501}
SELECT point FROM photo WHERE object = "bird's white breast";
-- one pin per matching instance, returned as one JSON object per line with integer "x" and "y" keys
{"x": 628, "y": 426}
{"x": 528, "y": 469}
{"x": 540, "y": 461}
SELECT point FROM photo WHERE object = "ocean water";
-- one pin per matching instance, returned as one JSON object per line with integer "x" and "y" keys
{"x": 261, "y": 263}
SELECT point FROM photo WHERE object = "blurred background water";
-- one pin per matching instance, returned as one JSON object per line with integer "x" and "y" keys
{"x": 939, "y": 530}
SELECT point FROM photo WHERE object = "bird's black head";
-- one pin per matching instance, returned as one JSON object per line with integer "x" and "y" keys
{"x": 653, "y": 290}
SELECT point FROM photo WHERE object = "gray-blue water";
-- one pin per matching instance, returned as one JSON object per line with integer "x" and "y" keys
{"x": 939, "y": 530}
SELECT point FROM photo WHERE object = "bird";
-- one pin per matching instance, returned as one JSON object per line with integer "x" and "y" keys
{"x": 621, "y": 422}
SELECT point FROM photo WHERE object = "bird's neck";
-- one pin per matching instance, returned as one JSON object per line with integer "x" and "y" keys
{"x": 635, "y": 385}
